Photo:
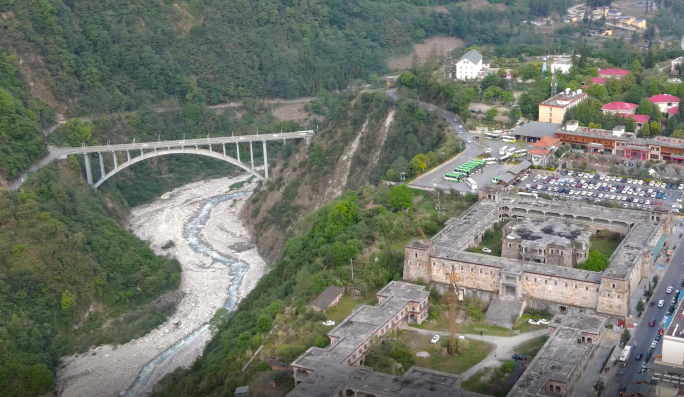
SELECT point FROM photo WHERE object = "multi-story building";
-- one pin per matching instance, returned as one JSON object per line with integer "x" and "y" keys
{"x": 554, "y": 371}
{"x": 619, "y": 108}
{"x": 469, "y": 65}
{"x": 552, "y": 241}
{"x": 664, "y": 101}
{"x": 621, "y": 143}
{"x": 351, "y": 339}
{"x": 561, "y": 65}
{"x": 553, "y": 109}
{"x": 557, "y": 289}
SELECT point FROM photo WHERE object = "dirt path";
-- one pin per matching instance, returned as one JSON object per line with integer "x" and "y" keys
{"x": 502, "y": 352}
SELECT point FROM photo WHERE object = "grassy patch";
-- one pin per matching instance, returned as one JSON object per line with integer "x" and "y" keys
{"x": 605, "y": 244}
{"x": 489, "y": 381}
{"x": 344, "y": 308}
{"x": 475, "y": 328}
{"x": 492, "y": 239}
{"x": 523, "y": 325}
{"x": 237, "y": 185}
{"x": 531, "y": 347}
{"x": 439, "y": 360}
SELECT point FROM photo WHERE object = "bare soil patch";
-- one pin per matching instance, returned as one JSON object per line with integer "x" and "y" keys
{"x": 294, "y": 112}
{"x": 475, "y": 4}
{"x": 423, "y": 50}
{"x": 635, "y": 8}
{"x": 441, "y": 9}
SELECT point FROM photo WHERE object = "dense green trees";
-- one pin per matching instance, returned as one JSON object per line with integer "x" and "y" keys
{"x": 597, "y": 262}
{"x": 63, "y": 249}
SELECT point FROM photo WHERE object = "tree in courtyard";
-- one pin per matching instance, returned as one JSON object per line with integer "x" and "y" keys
{"x": 640, "y": 307}
{"x": 400, "y": 197}
{"x": 599, "y": 386}
{"x": 625, "y": 337}
{"x": 596, "y": 262}
{"x": 491, "y": 113}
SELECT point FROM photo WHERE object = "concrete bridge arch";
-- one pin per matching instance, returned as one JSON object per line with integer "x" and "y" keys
{"x": 151, "y": 154}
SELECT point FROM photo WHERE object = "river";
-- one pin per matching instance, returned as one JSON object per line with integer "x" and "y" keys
{"x": 220, "y": 266}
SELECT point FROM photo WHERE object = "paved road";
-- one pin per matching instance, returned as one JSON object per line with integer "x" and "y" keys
{"x": 643, "y": 334}
{"x": 435, "y": 177}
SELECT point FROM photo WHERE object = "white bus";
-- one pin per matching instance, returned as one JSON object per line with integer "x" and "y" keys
{"x": 507, "y": 139}
{"x": 521, "y": 152}
{"x": 502, "y": 151}
{"x": 471, "y": 183}
{"x": 491, "y": 136}
{"x": 525, "y": 194}
{"x": 490, "y": 161}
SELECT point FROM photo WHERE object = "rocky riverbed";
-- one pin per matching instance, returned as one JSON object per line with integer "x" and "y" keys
{"x": 220, "y": 266}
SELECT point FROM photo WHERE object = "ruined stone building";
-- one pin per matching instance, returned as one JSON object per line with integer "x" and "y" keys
{"x": 513, "y": 282}
{"x": 552, "y": 241}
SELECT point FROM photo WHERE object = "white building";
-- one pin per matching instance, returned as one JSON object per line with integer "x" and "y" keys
{"x": 469, "y": 65}
{"x": 561, "y": 65}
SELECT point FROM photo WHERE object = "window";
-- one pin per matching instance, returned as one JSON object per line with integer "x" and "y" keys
{"x": 535, "y": 279}
{"x": 566, "y": 285}
{"x": 416, "y": 254}
{"x": 472, "y": 270}
{"x": 575, "y": 286}
{"x": 546, "y": 281}
{"x": 552, "y": 251}
{"x": 562, "y": 253}
{"x": 480, "y": 271}
{"x": 527, "y": 278}
{"x": 613, "y": 285}
{"x": 509, "y": 245}
{"x": 586, "y": 288}
{"x": 555, "y": 282}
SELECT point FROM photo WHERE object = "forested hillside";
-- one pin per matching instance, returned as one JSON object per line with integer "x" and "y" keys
{"x": 89, "y": 56}
{"x": 66, "y": 266}
{"x": 362, "y": 138}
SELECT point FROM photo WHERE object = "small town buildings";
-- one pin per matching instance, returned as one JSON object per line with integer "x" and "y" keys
{"x": 639, "y": 119}
{"x": 350, "y": 340}
{"x": 561, "y": 65}
{"x": 615, "y": 73}
{"x": 553, "y": 109}
{"x": 327, "y": 299}
{"x": 613, "y": 14}
{"x": 542, "y": 154}
{"x": 242, "y": 391}
{"x": 672, "y": 111}
{"x": 515, "y": 173}
{"x": 598, "y": 80}
{"x": 573, "y": 342}
{"x": 664, "y": 101}
{"x": 619, "y": 108}
{"x": 469, "y": 65}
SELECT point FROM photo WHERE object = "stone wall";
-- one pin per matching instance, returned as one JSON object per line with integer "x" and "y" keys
{"x": 614, "y": 297}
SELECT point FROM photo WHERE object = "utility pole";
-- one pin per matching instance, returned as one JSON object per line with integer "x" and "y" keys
{"x": 351, "y": 262}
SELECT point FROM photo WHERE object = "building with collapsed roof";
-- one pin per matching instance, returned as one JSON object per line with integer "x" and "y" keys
{"x": 511, "y": 284}
{"x": 573, "y": 341}
{"x": 551, "y": 241}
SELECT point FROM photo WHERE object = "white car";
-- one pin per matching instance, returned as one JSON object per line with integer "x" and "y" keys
{"x": 434, "y": 339}
{"x": 668, "y": 290}
{"x": 525, "y": 176}
{"x": 486, "y": 250}
{"x": 468, "y": 140}
{"x": 612, "y": 197}
{"x": 647, "y": 202}
{"x": 584, "y": 193}
{"x": 642, "y": 193}
{"x": 600, "y": 195}
{"x": 533, "y": 322}
{"x": 488, "y": 150}
{"x": 329, "y": 323}
{"x": 602, "y": 177}
{"x": 544, "y": 321}
{"x": 681, "y": 187}
{"x": 629, "y": 180}
{"x": 661, "y": 303}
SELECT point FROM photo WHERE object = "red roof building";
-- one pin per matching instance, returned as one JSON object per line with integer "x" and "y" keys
{"x": 664, "y": 101}
{"x": 598, "y": 80}
{"x": 640, "y": 118}
{"x": 673, "y": 110}
{"x": 546, "y": 143}
{"x": 616, "y": 73}
{"x": 619, "y": 107}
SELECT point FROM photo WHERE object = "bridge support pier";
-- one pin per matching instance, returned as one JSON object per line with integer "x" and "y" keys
{"x": 265, "y": 161}
{"x": 116, "y": 162}
{"x": 128, "y": 155}
{"x": 141, "y": 152}
{"x": 237, "y": 146}
{"x": 224, "y": 150}
{"x": 102, "y": 173}
{"x": 89, "y": 173}
{"x": 251, "y": 154}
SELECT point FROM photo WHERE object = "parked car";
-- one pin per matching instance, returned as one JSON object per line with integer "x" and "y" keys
{"x": 661, "y": 303}
{"x": 434, "y": 339}
{"x": 544, "y": 321}
{"x": 519, "y": 357}
{"x": 329, "y": 323}
{"x": 488, "y": 150}
{"x": 669, "y": 290}
{"x": 533, "y": 321}
{"x": 638, "y": 356}
{"x": 486, "y": 250}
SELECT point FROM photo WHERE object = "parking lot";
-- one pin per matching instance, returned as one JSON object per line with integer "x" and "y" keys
{"x": 596, "y": 188}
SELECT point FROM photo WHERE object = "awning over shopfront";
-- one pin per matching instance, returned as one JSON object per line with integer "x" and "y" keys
{"x": 659, "y": 245}
{"x": 677, "y": 156}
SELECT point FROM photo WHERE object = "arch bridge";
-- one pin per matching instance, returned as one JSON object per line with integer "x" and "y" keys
{"x": 137, "y": 152}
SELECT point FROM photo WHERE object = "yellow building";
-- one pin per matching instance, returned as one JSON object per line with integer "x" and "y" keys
{"x": 553, "y": 109}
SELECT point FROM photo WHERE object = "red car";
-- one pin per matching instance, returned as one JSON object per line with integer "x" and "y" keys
{"x": 651, "y": 322}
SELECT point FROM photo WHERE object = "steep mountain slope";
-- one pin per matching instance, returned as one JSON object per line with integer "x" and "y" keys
{"x": 364, "y": 136}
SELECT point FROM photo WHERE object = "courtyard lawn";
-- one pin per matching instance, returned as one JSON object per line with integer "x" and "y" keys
{"x": 441, "y": 361}
{"x": 492, "y": 240}
{"x": 606, "y": 246}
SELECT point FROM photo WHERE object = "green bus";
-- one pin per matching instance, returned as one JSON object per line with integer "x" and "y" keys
{"x": 455, "y": 176}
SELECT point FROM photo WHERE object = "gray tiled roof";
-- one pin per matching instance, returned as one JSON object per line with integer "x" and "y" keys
{"x": 473, "y": 56}
{"x": 327, "y": 297}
